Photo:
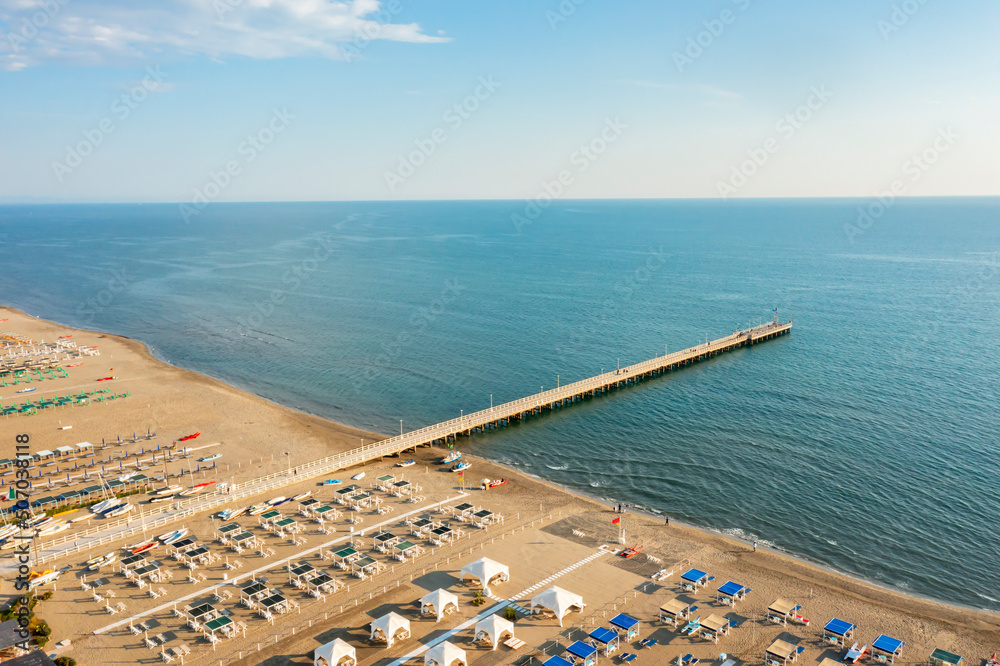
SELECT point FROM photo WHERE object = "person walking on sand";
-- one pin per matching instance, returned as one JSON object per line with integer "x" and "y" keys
{"x": 755, "y": 546}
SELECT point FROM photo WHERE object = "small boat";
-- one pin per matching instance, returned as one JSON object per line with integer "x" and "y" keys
{"x": 63, "y": 337}
{"x": 993, "y": 661}
{"x": 191, "y": 491}
{"x": 210, "y": 458}
{"x": 358, "y": 476}
{"x": 54, "y": 527}
{"x": 169, "y": 490}
{"x": 96, "y": 563}
{"x": 28, "y": 390}
{"x": 36, "y": 580}
{"x": 65, "y": 428}
{"x": 170, "y": 537}
{"x": 229, "y": 514}
{"x": 281, "y": 499}
{"x": 143, "y": 548}
{"x": 452, "y": 457}
{"x": 107, "y": 379}
{"x": 301, "y": 496}
{"x": 461, "y": 467}
{"x": 631, "y": 552}
{"x": 855, "y": 653}
{"x": 39, "y": 522}
{"x": 332, "y": 482}
{"x": 409, "y": 463}
{"x": 189, "y": 437}
{"x": 103, "y": 505}
{"x": 204, "y": 484}
{"x": 125, "y": 477}
{"x": 119, "y": 510}
{"x": 497, "y": 483}
{"x": 258, "y": 509}
{"x": 74, "y": 365}
{"x": 162, "y": 498}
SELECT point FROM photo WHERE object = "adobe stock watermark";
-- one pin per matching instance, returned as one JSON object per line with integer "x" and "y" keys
{"x": 93, "y": 306}
{"x": 247, "y": 151}
{"x": 623, "y": 291}
{"x": 784, "y": 129}
{"x": 900, "y": 16}
{"x": 121, "y": 109}
{"x": 582, "y": 158}
{"x": 453, "y": 117}
{"x": 700, "y": 42}
{"x": 913, "y": 170}
{"x": 562, "y": 13}
{"x": 30, "y": 27}
{"x": 420, "y": 321}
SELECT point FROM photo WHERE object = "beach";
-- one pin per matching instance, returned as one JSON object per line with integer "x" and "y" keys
{"x": 548, "y": 535}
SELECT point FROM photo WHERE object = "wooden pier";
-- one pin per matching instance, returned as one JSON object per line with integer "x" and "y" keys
{"x": 501, "y": 415}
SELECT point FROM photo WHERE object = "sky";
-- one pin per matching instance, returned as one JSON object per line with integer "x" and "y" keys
{"x": 193, "y": 101}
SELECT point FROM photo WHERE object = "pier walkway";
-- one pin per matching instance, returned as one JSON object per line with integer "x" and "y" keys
{"x": 109, "y": 531}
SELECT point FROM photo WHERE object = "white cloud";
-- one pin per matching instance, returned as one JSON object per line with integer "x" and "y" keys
{"x": 90, "y": 32}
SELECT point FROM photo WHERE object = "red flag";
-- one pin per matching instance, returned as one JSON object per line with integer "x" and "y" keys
{"x": 616, "y": 521}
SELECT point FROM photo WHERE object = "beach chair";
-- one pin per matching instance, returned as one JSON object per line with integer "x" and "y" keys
{"x": 627, "y": 657}
{"x": 167, "y": 656}
{"x": 648, "y": 642}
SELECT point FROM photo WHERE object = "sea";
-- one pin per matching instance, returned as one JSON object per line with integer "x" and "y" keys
{"x": 866, "y": 441}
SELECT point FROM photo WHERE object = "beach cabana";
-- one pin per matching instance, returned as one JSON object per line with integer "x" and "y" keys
{"x": 885, "y": 649}
{"x": 322, "y": 584}
{"x": 83, "y": 446}
{"x": 228, "y": 528}
{"x": 674, "y": 611}
{"x": 445, "y": 654}
{"x": 389, "y": 628}
{"x": 440, "y": 535}
{"x": 243, "y": 540}
{"x": 605, "y": 640}
{"x": 838, "y": 632}
{"x": 406, "y": 550}
{"x": 440, "y": 603}
{"x": 557, "y": 601}
{"x": 421, "y": 527}
{"x": 345, "y": 556}
{"x": 366, "y": 566}
{"x": 483, "y": 518}
{"x": 781, "y": 653}
{"x": 252, "y": 593}
{"x": 692, "y": 579}
{"x": 336, "y": 653}
{"x": 275, "y": 603}
{"x": 729, "y": 593}
{"x": 781, "y": 611}
{"x": 383, "y": 482}
{"x": 299, "y": 573}
{"x": 463, "y": 510}
{"x": 484, "y": 570}
{"x": 582, "y": 654}
{"x": 945, "y": 658}
{"x": 626, "y": 626}
{"x": 494, "y": 630}
{"x": 713, "y": 627}
{"x": 557, "y": 661}
{"x": 401, "y": 488}
{"x": 384, "y": 541}
{"x": 65, "y": 450}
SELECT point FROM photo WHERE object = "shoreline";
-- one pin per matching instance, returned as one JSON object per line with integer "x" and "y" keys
{"x": 708, "y": 534}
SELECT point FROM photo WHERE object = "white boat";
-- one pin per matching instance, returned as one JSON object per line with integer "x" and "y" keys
{"x": 54, "y": 527}
{"x": 192, "y": 491}
{"x": 210, "y": 458}
{"x": 462, "y": 466}
{"x": 229, "y": 514}
{"x": 302, "y": 496}
{"x": 119, "y": 511}
{"x": 169, "y": 490}
{"x": 96, "y": 563}
{"x": 332, "y": 482}
{"x": 8, "y": 530}
{"x": 39, "y": 522}
{"x": 80, "y": 519}
{"x": 125, "y": 477}
{"x": 258, "y": 509}
{"x": 170, "y": 537}
{"x": 161, "y": 498}
{"x": 104, "y": 505}
{"x": 43, "y": 579}
{"x": 358, "y": 476}
{"x": 281, "y": 499}
{"x": 409, "y": 463}
{"x": 29, "y": 390}
{"x": 452, "y": 457}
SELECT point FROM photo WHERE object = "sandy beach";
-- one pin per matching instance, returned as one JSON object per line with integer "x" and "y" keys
{"x": 547, "y": 536}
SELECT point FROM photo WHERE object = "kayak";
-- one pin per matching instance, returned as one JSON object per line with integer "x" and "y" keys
{"x": 302, "y": 496}
{"x": 358, "y": 476}
{"x": 408, "y": 463}
{"x": 229, "y": 514}
{"x": 332, "y": 482}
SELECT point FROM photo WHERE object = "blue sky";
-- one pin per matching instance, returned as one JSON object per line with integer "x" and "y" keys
{"x": 287, "y": 97}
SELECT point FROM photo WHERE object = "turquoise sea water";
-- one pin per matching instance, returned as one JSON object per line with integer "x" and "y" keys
{"x": 866, "y": 440}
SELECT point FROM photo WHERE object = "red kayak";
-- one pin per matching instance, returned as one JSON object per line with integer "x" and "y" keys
{"x": 631, "y": 552}
{"x": 74, "y": 365}
{"x": 189, "y": 437}
{"x": 65, "y": 336}
{"x": 144, "y": 547}
{"x": 498, "y": 483}
{"x": 202, "y": 485}
{"x": 105, "y": 379}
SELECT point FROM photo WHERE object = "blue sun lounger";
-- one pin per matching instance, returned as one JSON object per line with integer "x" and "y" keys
{"x": 627, "y": 657}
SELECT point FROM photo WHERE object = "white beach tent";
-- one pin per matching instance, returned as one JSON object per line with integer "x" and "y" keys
{"x": 495, "y": 629}
{"x": 445, "y": 654}
{"x": 337, "y": 653}
{"x": 485, "y": 570}
{"x": 438, "y": 602}
{"x": 390, "y": 627}
{"x": 557, "y": 600}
